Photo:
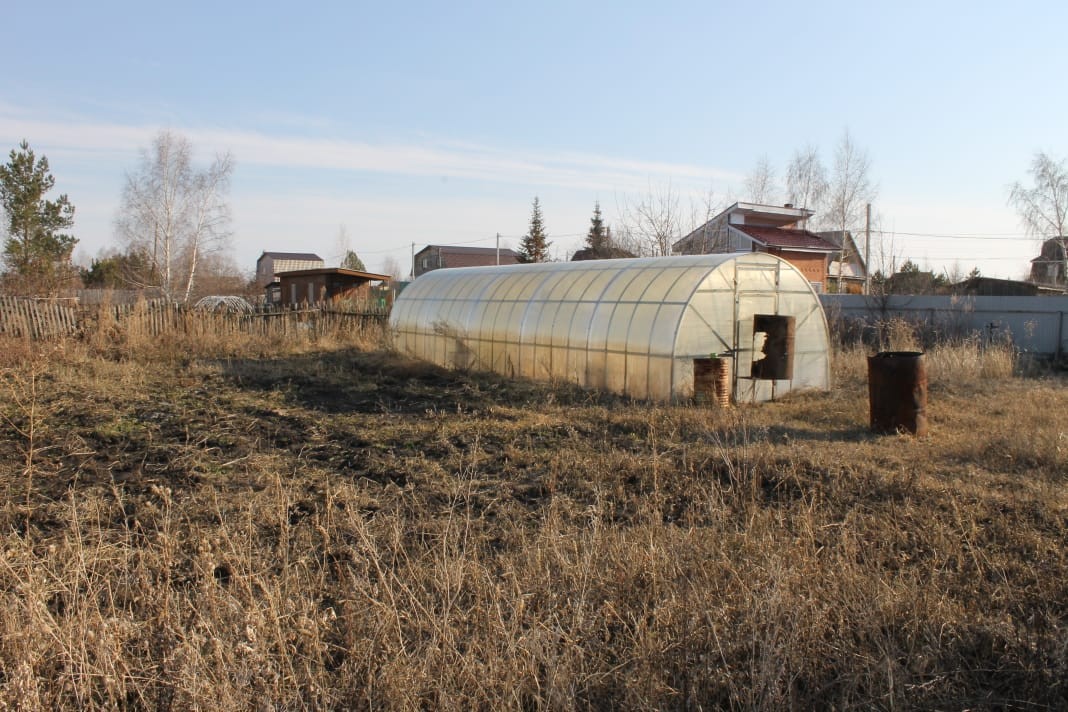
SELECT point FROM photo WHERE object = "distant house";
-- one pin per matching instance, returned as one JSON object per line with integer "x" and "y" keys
{"x": 847, "y": 263}
{"x": 992, "y": 287}
{"x": 750, "y": 227}
{"x": 312, "y": 286}
{"x": 271, "y": 263}
{"x": 1048, "y": 267}
{"x": 434, "y": 257}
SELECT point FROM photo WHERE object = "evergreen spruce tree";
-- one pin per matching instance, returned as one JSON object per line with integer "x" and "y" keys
{"x": 597, "y": 239}
{"x": 36, "y": 252}
{"x": 534, "y": 246}
{"x": 352, "y": 261}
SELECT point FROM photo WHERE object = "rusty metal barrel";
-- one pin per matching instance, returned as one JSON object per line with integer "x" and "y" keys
{"x": 712, "y": 381}
{"x": 897, "y": 392}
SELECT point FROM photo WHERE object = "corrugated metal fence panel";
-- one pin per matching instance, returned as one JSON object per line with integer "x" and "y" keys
{"x": 1036, "y": 324}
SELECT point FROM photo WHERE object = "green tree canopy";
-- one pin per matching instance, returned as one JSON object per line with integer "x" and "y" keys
{"x": 597, "y": 239}
{"x": 353, "y": 261}
{"x": 36, "y": 251}
{"x": 120, "y": 270}
{"x": 534, "y": 246}
{"x": 599, "y": 242}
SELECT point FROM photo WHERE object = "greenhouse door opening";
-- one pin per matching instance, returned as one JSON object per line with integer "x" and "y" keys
{"x": 774, "y": 361}
{"x": 757, "y": 294}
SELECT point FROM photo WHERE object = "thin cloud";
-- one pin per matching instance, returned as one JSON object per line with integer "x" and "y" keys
{"x": 444, "y": 159}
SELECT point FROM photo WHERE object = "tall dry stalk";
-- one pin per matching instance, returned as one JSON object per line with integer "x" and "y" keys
{"x": 23, "y": 415}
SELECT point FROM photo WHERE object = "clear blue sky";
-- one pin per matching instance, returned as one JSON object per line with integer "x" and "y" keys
{"x": 439, "y": 122}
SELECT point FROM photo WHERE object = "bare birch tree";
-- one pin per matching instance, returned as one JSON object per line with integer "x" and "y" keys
{"x": 342, "y": 245}
{"x": 175, "y": 216}
{"x": 848, "y": 193}
{"x": 652, "y": 222}
{"x": 392, "y": 267}
{"x": 760, "y": 185}
{"x": 1043, "y": 207}
{"x": 806, "y": 179}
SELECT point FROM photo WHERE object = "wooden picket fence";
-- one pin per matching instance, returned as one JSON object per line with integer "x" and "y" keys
{"x": 38, "y": 319}
{"x": 49, "y": 319}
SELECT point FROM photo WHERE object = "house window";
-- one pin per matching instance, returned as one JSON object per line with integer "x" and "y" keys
{"x": 293, "y": 293}
{"x": 817, "y": 287}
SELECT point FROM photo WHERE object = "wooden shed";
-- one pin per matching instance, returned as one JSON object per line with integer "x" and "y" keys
{"x": 333, "y": 284}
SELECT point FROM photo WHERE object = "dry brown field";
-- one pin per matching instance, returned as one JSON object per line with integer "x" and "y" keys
{"x": 224, "y": 523}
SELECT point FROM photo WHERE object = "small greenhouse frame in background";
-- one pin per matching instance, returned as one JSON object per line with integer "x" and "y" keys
{"x": 224, "y": 305}
{"x": 630, "y": 326}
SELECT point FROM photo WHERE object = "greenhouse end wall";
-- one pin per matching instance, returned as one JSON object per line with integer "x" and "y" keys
{"x": 630, "y": 326}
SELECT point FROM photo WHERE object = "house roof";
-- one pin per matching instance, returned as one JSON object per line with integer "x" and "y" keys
{"x": 454, "y": 250}
{"x": 1053, "y": 250}
{"x": 303, "y": 256}
{"x": 786, "y": 239}
{"x": 746, "y": 214}
{"x": 784, "y": 213}
{"x": 855, "y": 262}
{"x": 990, "y": 286}
{"x": 340, "y": 271}
{"x": 836, "y": 237}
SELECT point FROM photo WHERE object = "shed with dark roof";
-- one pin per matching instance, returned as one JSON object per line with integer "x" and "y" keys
{"x": 328, "y": 284}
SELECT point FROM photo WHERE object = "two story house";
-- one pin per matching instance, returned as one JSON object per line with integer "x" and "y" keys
{"x": 270, "y": 264}
{"x": 751, "y": 227}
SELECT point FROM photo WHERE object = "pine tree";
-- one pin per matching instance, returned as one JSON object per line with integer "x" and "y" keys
{"x": 352, "y": 261}
{"x": 597, "y": 239}
{"x": 534, "y": 246}
{"x": 36, "y": 254}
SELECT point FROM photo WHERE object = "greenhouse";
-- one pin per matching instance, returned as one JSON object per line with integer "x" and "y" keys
{"x": 630, "y": 326}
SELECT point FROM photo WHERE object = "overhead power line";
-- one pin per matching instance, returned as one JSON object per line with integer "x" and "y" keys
{"x": 964, "y": 236}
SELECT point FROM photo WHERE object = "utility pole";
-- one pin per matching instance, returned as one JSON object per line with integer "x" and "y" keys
{"x": 411, "y": 275}
{"x": 867, "y": 249}
{"x": 498, "y": 249}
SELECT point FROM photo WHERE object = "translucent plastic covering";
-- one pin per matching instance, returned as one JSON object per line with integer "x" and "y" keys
{"x": 628, "y": 326}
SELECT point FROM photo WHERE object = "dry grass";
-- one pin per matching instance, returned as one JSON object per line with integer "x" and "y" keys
{"x": 334, "y": 527}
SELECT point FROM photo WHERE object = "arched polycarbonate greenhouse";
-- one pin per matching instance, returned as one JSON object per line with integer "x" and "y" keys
{"x": 632, "y": 326}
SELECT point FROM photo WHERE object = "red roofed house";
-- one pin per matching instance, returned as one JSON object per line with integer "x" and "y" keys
{"x": 434, "y": 257}
{"x": 749, "y": 227}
